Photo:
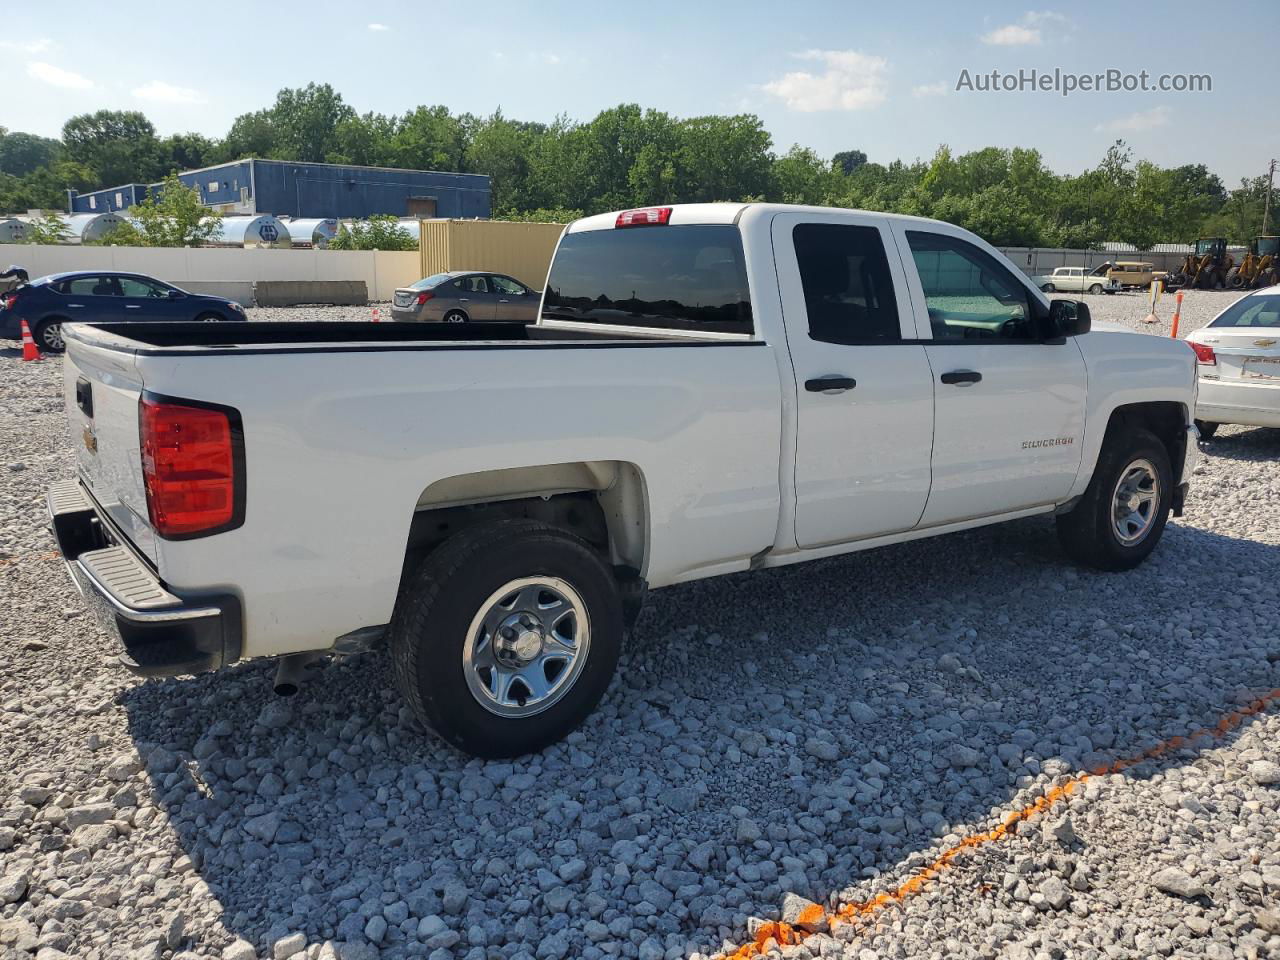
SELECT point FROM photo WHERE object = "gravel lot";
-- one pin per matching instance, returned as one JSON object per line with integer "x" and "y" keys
{"x": 818, "y": 732}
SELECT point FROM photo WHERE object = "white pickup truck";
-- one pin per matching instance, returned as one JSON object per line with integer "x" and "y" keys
{"x": 708, "y": 389}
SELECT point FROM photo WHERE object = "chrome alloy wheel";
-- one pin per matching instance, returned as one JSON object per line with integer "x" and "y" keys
{"x": 526, "y": 646}
{"x": 51, "y": 337}
{"x": 1135, "y": 502}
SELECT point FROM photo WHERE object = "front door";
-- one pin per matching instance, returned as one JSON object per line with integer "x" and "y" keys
{"x": 864, "y": 400}
{"x": 147, "y": 300}
{"x": 1010, "y": 401}
{"x": 515, "y": 301}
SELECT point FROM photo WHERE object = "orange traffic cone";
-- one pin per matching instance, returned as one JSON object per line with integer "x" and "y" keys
{"x": 29, "y": 349}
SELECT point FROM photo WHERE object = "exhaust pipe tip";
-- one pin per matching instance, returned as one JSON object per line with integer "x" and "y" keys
{"x": 292, "y": 671}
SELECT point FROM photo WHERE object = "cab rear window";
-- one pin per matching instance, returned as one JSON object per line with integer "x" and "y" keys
{"x": 688, "y": 277}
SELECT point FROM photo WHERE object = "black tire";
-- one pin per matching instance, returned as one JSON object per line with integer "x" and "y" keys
{"x": 455, "y": 316}
{"x": 1234, "y": 280}
{"x": 1049, "y": 288}
{"x": 1088, "y": 533}
{"x": 210, "y": 317}
{"x": 48, "y": 336}
{"x": 1095, "y": 289}
{"x": 1207, "y": 429}
{"x": 450, "y": 588}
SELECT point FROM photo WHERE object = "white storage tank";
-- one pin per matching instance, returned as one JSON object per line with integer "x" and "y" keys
{"x": 90, "y": 227}
{"x": 262, "y": 231}
{"x": 12, "y": 230}
{"x": 312, "y": 231}
{"x": 410, "y": 224}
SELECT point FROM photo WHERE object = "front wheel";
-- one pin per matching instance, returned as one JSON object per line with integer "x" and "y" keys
{"x": 1049, "y": 288}
{"x": 1122, "y": 514}
{"x": 1096, "y": 289}
{"x": 48, "y": 336}
{"x": 506, "y": 636}
{"x": 210, "y": 318}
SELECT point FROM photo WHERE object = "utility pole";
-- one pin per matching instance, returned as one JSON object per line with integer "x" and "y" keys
{"x": 1266, "y": 207}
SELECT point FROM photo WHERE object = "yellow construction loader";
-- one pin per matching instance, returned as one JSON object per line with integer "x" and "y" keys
{"x": 1205, "y": 269}
{"x": 1260, "y": 266}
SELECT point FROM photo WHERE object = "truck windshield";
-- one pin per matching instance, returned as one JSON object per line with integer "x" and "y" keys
{"x": 688, "y": 277}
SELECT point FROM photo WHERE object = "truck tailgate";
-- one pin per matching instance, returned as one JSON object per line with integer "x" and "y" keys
{"x": 102, "y": 388}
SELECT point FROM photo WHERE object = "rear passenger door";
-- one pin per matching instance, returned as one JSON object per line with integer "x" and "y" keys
{"x": 864, "y": 396}
{"x": 93, "y": 299}
{"x": 474, "y": 296}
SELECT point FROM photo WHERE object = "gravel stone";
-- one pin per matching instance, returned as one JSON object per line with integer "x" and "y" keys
{"x": 1177, "y": 883}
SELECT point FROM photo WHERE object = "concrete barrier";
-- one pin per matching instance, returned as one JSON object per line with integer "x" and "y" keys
{"x": 289, "y": 293}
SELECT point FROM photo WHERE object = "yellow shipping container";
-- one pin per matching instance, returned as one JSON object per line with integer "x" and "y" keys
{"x": 520, "y": 250}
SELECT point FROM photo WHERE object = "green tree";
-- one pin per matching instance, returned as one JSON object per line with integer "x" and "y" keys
{"x": 376, "y": 233}
{"x": 724, "y": 158}
{"x": 24, "y": 153}
{"x": 119, "y": 146}
{"x": 170, "y": 216}
{"x": 429, "y": 138}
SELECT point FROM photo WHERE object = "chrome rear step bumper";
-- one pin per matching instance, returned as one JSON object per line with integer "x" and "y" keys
{"x": 163, "y": 634}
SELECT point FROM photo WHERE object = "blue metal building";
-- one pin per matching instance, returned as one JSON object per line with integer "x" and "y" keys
{"x": 293, "y": 189}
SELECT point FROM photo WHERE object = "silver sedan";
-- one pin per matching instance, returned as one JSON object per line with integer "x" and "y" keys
{"x": 461, "y": 296}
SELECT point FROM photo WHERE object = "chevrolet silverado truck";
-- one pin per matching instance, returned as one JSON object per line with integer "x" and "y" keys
{"x": 708, "y": 388}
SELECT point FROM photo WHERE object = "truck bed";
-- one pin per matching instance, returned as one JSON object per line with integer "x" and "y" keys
{"x": 350, "y": 335}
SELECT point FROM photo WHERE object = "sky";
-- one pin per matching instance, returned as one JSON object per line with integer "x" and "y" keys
{"x": 892, "y": 79}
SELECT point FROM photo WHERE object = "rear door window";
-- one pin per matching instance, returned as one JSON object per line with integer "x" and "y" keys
{"x": 848, "y": 291}
{"x": 686, "y": 277}
{"x": 91, "y": 287}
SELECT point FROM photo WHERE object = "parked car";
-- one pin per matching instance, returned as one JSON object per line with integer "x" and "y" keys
{"x": 1238, "y": 364}
{"x": 457, "y": 297}
{"x": 709, "y": 388}
{"x": 1132, "y": 273}
{"x": 97, "y": 296}
{"x": 1074, "y": 280}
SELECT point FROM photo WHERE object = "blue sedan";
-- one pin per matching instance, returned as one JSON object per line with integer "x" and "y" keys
{"x": 96, "y": 296}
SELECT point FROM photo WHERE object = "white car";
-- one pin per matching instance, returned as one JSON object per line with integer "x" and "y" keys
{"x": 709, "y": 388}
{"x": 1074, "y": 280}
{"x": 1238, "y": 356}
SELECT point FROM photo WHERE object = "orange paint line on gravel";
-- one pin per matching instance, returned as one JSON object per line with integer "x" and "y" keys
{"x": 44, "y": 555}
{"x": 859, "y": 912}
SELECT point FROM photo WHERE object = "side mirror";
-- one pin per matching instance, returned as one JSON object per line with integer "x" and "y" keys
{"x": 1069, "y": 318}
{"x": 175, "y": 294}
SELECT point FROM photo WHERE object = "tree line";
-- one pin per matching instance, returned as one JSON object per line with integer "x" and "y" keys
{"x": 629, "y": 156}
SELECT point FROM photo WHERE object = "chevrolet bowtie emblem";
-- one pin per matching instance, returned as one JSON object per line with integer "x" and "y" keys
{"x": 1264, "y": 343}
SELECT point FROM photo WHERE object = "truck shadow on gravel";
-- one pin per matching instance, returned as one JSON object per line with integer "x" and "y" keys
{"x": 804, "y": 729}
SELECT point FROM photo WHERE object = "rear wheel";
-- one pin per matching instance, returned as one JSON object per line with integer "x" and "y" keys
{"x": 1122, "y": 514}
{"x": 455, "y": 316}
{"x": 48, "y": 336}
{"x": 1207, "y": 429}
{"x": 506, "y": 636}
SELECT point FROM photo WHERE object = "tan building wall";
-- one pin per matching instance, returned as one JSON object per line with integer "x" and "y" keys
{"x": 520, "y": 250}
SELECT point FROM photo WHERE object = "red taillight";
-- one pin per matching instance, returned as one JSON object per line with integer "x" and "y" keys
{"x": 9, "y": 299}
{"x": 189, "y": 457}
{"x": 424, "y": 296}
{"x": 646, "y": 217}
{"x": 1204, "y": 352}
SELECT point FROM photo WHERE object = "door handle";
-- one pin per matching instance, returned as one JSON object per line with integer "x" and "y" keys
{"x": 830, "y": 384}
{"x": 133, "y": 306}
{"x": 464, "y": 299}
{"x": 504, "y": 301}
{"x": 961, "y": 378}
{"x": 77, "y": 306}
